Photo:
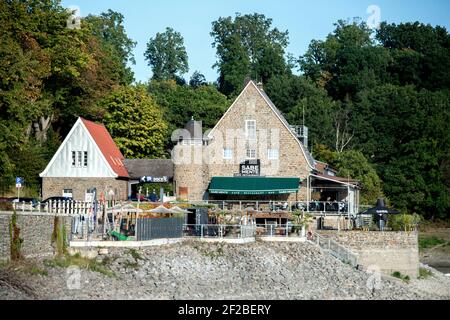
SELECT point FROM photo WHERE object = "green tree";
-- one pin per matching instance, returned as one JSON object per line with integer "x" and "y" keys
{"x": 167, "y": 55}
{"x": 180, "y": 103}
{"x": 197, "y": 80}
{"x": 347, "y": 62}
{"x": 247, "y": 46}
{"x": 135, "y": 122}
{"x": 420, "y": 54}
{"x": 354, "y": 164}
{"x": 108, "y": 28}
{"x": 303, "y": 103}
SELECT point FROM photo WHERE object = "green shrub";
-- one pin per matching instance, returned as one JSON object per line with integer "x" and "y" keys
{"x": 404, "y": 222}
{"x": 424, "y": 273}
{"x": 400, "y": 276}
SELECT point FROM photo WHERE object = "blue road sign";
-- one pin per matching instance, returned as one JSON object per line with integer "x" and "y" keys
{"x": 19, "y": 180}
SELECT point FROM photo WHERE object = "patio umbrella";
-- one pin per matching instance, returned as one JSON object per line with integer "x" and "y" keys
{"x": 380, "y": 212}
{"x": 179, "y": 210}
{"x": 162, "y": 209}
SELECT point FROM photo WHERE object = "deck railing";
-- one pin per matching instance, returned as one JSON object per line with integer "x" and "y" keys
{"x": 241, "y": 231}
{"x": 325, "y": 207}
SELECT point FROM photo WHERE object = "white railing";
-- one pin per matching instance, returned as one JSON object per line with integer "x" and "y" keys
{"x": 57, "y": 207}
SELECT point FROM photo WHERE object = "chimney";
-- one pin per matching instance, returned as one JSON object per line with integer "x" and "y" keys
{"x": 260, "y": 86}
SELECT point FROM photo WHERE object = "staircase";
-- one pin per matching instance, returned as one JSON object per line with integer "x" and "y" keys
{"x": 335, "y": 249}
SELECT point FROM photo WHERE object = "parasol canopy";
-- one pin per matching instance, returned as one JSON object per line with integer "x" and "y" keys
{"x": 380, "y": 209}
{"x": 179, "y": 210}
{"x": 162, "y": 209}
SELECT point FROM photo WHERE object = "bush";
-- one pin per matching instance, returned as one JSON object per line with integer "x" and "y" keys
{"x": 404, "y": 222}
{"x": 6, "y": 206}
{"x": 424, "y": 273}
{"x": 400, "y": 276}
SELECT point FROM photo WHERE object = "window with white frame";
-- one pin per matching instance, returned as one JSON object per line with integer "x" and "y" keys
{"x": 79, "y": 159}
{"x": 250, "y": 129}
{"x": 251, "y": 154}
{"x": 273, "y": 154}
{"x": 228, "y": 154}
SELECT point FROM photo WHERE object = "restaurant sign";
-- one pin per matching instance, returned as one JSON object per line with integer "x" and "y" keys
{"x": 250, "y": 168}
{"x": 155, "y": 179}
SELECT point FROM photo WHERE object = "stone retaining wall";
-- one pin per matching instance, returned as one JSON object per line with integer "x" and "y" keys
{"x": 390, "y": 251}
{"x": 36, "y": 232}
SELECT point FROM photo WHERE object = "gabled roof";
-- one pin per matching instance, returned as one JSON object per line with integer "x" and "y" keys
{"x": 322, "y": 167}
{"x": 107, "y": 147}
{"x": 307, "y": 154}
{"x": 138, "y": 168}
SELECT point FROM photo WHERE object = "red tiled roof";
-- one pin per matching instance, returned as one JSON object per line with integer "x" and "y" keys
{"x": 108, "y": 147}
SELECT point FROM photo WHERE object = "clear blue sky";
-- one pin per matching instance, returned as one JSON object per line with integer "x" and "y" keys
{"x": 305, "y": 20}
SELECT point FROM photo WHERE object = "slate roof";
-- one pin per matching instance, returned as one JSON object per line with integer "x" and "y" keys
{"x": 107, "y": 147}
{"x": 139, "y": 168}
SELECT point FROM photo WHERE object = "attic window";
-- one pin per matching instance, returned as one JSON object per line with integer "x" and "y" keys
{"x": 250, "y": 129}
{"x": 79, "y": 159}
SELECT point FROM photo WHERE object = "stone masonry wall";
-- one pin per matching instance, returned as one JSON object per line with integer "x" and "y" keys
{"x": 53, "y": 187}
{"x": 230, "y": 133}
{"x": 390, "y": 251}
{"x": 36, "y": 232}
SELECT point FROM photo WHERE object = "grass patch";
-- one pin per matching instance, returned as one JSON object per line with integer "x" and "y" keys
{"x": 136, "y": 255}
{"x": 24, "y": 266}
{"x": 400, "y": 276}
{"x": 424, "y": 273}
{"x": 430, "y": 242}
{"x": 212, "y": 254}
{"x": 131, "y": 265}
{"x": 81, "y": 262}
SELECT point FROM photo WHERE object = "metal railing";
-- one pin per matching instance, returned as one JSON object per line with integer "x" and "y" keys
{"x": 216, "y": 231}
{"x": 336, "y": 249}
{"x": 284, "y": 230}
{"x": 325, "y": 207}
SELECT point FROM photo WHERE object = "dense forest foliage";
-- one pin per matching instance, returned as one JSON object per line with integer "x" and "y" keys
{"x": 377, "y": 102}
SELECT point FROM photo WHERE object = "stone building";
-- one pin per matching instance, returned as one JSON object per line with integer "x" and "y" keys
{"x": 253, "y": 153}
{"x": 88, "y": 160}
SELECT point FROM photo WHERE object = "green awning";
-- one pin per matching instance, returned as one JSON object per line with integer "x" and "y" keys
{"x": 253, "y": 185}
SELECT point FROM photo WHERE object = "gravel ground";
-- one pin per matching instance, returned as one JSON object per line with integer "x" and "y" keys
{"x": 195, "y": 271}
